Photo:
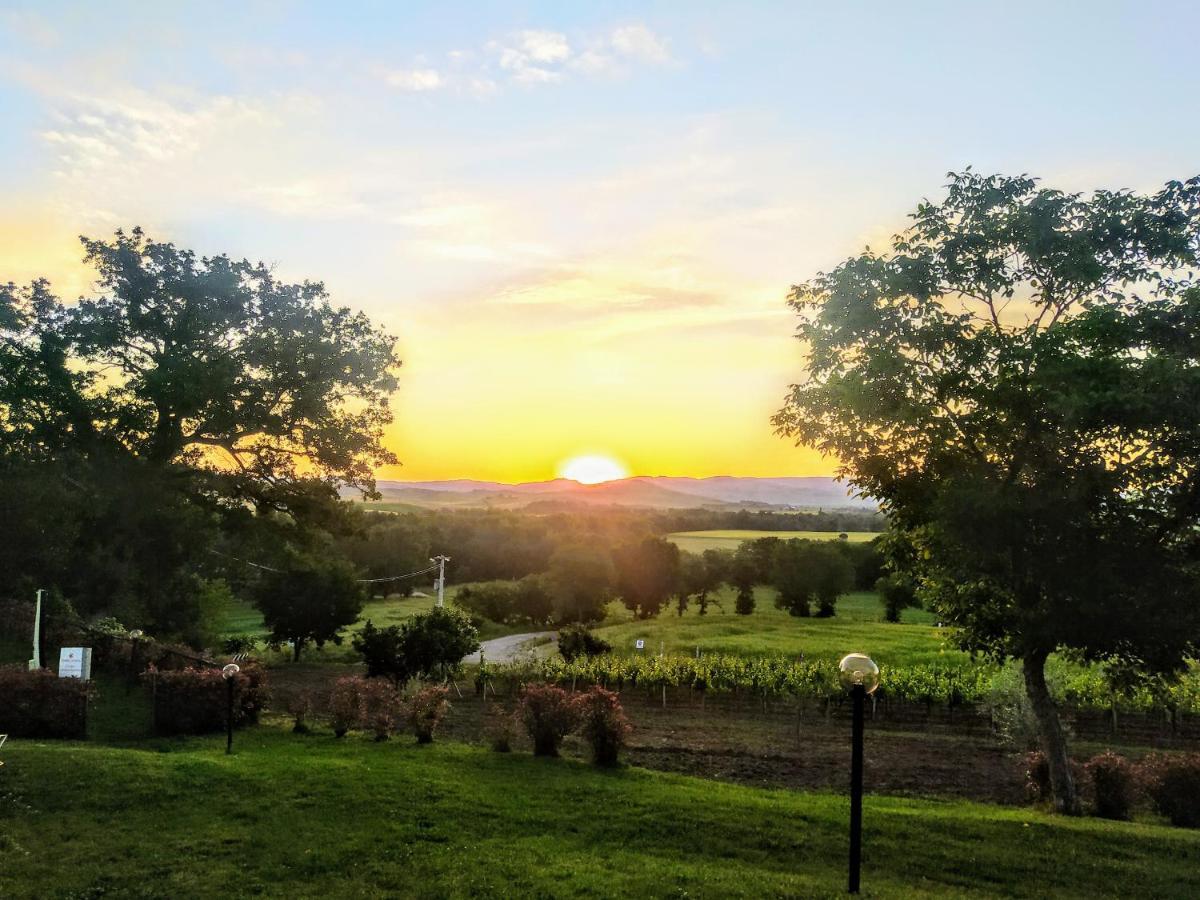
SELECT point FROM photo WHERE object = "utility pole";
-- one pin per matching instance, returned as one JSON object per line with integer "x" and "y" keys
{"x": 36, "y": 662}
{"x": 441, "y": 581}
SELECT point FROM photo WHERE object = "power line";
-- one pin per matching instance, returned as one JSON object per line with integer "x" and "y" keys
{"x": 247, "y": 562}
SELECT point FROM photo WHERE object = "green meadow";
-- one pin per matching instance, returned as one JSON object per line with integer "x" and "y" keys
{"x": 313, "y": 816}
{"x": 731, "y": 539}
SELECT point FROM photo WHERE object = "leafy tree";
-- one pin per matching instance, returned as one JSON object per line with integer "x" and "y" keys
{"x": 717, "y": 565}
{"x": 806, "y": 571}
{"x": 580, "y": 581}
{"x": 577, "y": 640}
{"x": 899, "y": 592}
{"x": 647, "y": 574}
{"x": 1016, "y": 382}
{"x": 310, "y": 602}
{"x": 743, "y": 575}
{"x": 431, "y": 645}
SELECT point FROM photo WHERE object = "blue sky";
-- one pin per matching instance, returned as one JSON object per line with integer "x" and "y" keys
{"x": 580, "y": 220}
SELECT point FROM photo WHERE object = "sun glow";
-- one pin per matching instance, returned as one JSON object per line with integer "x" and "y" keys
{"x": 592, "y": 469}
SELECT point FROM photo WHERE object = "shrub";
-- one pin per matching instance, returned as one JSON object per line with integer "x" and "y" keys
{"x": 427, "y": 710}
{"x": 346, "y": 705}
{"x": 38, "y": 704}
{"x": 382, "y": 707}
{"x": 431, "y": 645}
{"x": 577, "y": 640}
{"x": 603, "y": 723}
{"x": 1173, "y": 783}
{"x": 502, "y": 729}
{"x": 193, "y": 701}
{"x": 1037, "y": 776}
{"x": 299, "y": 706}
{"x": 743, "y": 605}
{"x": 235, "y": 644}
{"x": 1112, "y": 778}
{"x": 549, "y": 716}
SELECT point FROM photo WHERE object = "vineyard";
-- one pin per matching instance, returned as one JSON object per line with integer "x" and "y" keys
{"x": 1075, "y": 686}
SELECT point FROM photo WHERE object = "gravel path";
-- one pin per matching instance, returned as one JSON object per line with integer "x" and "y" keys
{"x": 508, "y": 648}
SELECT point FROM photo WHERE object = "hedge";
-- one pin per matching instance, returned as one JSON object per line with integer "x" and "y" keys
{"x": 193, "y": 701}
{"x": 38, "y": 704}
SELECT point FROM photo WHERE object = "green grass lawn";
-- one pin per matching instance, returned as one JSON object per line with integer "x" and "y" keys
{"x": 731, "y": 539}
{"x": 313, "y": 817}
{"x": 858, "y": 626}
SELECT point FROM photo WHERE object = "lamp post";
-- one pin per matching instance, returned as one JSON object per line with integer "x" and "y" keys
{"x": 134, "y": 637}
{"x": 860, "y": 676}
{"x": 229, "y": 673}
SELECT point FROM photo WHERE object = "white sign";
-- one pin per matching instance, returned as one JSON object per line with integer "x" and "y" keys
{"x": 641, "y": 644}
{"x": 75, "y": 662}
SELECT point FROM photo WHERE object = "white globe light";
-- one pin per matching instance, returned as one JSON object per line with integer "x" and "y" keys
{"x": 230, "y": 671}
{"x": 858, "y": 669}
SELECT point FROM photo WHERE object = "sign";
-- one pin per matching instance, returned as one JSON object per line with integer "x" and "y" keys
{"x": 75, "y": 662}
{"x": 641, "y": 644}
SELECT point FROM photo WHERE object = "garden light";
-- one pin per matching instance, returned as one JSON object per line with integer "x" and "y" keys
{"x": 859, "y": 675}
{"x": 229, "y": 673}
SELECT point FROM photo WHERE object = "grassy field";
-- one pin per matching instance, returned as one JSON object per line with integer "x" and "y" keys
{"x": 858, "y": 626}
{"x": 699, "y": 541}
{"x": 312, "y": 816}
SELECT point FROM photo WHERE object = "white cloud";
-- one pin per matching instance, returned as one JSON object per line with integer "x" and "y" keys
{"x": 415, "y": 79}
{"x": 545, "y": 46}
{"x": 639, "y": 42}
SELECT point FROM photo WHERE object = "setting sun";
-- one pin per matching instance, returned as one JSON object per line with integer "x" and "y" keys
{"x": 592, "y": 469}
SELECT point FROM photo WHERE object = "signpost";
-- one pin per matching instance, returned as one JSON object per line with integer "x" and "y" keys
{"x": 36, "y": 662}
{"x": 641, "y": 644}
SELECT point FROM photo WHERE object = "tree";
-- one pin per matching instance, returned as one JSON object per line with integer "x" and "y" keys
{"x": 717, "y": 564}
{"x": 311, "y": 601}
{"x": 1016, "y": 382}
{"x": 647, "y": 574}
{"x": 431, "y": 645}
{"x": 580, "y": 581}
{"x": 806, "y": 572}
{"x": 743, "y": 575}
{"x": 898, "y": 593}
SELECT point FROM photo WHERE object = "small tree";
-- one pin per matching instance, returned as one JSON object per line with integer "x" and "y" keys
{"x": 743, "y": 574}
{"x": 577, "y": 640}
{"x": 899, "y": 592}
{"x": 311, "y": 602}
{"x": 579, "y": 582}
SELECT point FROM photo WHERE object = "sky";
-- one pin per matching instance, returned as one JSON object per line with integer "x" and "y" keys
{"x": 580, "y": 220}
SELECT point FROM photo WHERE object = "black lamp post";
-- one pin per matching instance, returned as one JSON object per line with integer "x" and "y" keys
{"x": 229, "y": 673}
{"x": 860, "y": 676}
{"x": 134, "y": 637}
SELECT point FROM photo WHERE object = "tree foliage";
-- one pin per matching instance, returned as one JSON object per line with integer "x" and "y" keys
{"x": 311, "y": 602}
{"x": 647, "y": 574}
{"x": 1016, "y": 382}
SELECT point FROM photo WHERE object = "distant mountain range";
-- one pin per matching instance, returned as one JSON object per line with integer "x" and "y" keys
{"x": 661, "y": 492}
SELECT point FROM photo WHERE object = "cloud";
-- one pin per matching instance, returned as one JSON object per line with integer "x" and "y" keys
{"x": 415, "y": 79}
{"x": 639, "y": 42}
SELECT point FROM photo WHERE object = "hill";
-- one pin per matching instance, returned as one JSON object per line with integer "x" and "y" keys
{"x": 662, "y": 492}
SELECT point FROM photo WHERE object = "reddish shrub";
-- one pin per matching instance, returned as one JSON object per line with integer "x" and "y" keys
{"x": 427, "y": 710}
{"x": 1037, "y": 776}
{"x": 1112, "y": 777}
{"x": 299, "y": 707}
{"x": 501, "y": 729}
{"x": 383, "y": 707}
{"x": 346, "y": 705}
{"x": 1173, "y": 782}
{"x": 603, "y": 723}
{"x": 38, "y": 704}
{"x": 549, "y": 716}
{"x": 193, "y": 701}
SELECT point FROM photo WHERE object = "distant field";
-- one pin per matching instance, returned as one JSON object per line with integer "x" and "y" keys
{"x": 312, "y": 816}
{"x": 731, "y": 539}
{"x": 858, "y": 626}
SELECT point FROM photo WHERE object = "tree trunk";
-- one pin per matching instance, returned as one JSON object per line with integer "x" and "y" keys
{"x": 1053, "y": 739}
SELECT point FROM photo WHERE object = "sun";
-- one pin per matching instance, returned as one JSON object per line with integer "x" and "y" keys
{"x": 592, "y": 469}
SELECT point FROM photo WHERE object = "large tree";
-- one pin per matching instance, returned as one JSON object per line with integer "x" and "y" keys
{"x": 1017, "y": 381}
{"x": 647, "y": 574}
{"x": 203, "y": 381}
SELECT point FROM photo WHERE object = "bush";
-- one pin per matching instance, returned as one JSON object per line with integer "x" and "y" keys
{"x": 38, "y": 704}
{"x": 577, "y": 640}
{"x": 743, "y": 605}
{"x": 1037, "y": 776}
{"x": 427, "y": 710}
{"x": 1173, "y": 783}
{"x": 1112, "y": 778}
{"x": 382, "y": 707}
{"x": 235, "y": 644}
{"x": 603, "y": 723}
{"x": 299, "y": 706}
{"x": 193, "y": 701}
{"x": 501, "y": 730}
{"x": 549, "y": 716}
{"x": 431, "y": 645}
{"x": 346, "y": 705}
